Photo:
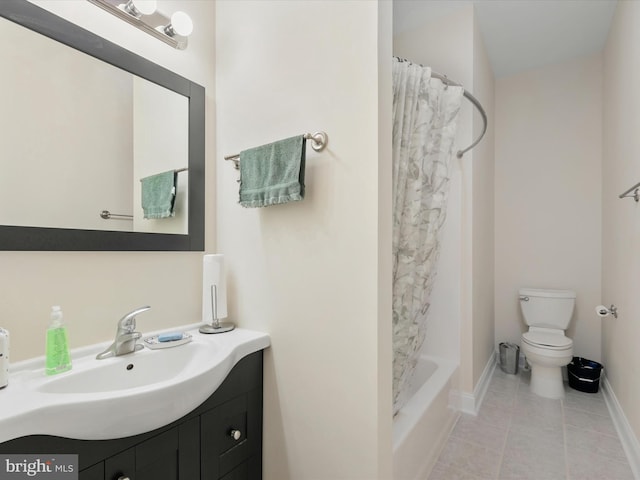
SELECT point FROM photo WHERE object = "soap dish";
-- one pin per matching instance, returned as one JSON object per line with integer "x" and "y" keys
{"x": 154, "y": 344}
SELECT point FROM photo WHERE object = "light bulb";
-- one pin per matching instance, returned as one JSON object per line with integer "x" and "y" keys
{"x": 181, "y": 24}
{"x": 140, "y": 7}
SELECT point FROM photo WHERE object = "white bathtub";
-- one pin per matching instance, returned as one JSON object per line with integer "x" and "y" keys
{"x": 422, "y": 425}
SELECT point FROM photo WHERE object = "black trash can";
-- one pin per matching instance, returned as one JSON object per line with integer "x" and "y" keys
{"x": 584, "y": 375}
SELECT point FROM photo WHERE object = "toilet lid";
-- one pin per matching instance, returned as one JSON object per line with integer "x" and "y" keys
{"x": 553, "y": 340}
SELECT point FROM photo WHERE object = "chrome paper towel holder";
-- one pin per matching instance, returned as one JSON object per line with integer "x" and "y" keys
{"x": 216, "y": 325}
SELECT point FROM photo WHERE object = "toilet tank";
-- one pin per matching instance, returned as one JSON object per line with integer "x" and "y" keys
{"x": 547, "y": 308}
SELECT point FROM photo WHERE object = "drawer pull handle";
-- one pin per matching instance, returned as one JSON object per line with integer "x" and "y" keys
{"x": 235, "y": 434}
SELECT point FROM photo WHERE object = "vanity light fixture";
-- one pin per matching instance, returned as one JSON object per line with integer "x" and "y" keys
{"x": 173, "y": 31}
{"x": 181, "y": 24}
{"x": 140, "y": 7}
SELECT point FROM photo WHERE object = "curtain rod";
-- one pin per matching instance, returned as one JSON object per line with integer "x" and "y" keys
{"x": 444, "y": 79}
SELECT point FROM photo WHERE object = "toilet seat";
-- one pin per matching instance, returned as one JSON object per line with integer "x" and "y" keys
{"x": 547, "y": 340}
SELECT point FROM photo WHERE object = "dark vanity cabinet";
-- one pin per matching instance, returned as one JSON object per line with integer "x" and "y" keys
{"x": 160, "y": 457}
{"x": 221, "y": 439}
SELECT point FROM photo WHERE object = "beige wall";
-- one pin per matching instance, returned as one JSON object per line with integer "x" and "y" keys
{"x": 482, "y": 207}
{"x": 548, "y": 194}
{"x": 96, "y": 288}
{"x": 65, "y": 89}
{"x": 621, "y": 218}
{"x": 445, "y": 45}
{"x": 310, "y": 273}
{"x": 384, "y": 231}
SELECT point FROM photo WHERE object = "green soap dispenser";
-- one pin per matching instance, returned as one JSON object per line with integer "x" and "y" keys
{"x": 57, "y": 358}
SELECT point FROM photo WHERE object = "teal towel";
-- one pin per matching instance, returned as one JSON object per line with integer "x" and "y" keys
{"x": 273, "y": 173}
{"x": 159, "y": 194}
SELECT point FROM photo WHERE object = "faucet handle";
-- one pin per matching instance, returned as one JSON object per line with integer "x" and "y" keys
{"x": 128, "y": 322}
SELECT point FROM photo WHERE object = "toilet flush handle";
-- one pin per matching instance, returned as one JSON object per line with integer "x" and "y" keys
{"x": 524, "y": 299}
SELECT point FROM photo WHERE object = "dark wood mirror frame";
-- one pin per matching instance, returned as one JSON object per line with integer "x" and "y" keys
{"x": 57, "y": 239}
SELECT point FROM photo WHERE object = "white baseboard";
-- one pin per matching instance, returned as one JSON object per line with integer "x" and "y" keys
{"x": 470, "y": 402}
{"x": 623, "y": 427}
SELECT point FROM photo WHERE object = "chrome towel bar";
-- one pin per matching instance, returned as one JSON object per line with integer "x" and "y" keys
{"x": 178, "y": 170}
{"x": 318, "y": 142}
{"x": 107, "y": 215}
{"x": 636, "y": 193}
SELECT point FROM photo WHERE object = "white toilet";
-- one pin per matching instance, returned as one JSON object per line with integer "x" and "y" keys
{"x": 547, "y": 313}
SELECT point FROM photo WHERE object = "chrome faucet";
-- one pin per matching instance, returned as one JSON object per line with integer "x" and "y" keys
{"x": 126, "y": 336}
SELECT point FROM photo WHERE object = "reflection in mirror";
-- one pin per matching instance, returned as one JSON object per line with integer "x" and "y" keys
{"x": 84, "y": 122}
{"x": 86, "y": 136}
{"x": 160, "y": 143}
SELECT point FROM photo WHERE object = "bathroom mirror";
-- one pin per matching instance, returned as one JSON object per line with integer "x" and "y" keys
{"x": 84, "y": 120}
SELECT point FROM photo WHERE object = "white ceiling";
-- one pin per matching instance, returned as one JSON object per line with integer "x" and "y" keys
{"x": 521, "y": 34}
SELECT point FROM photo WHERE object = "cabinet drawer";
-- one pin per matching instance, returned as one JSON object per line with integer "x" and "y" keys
{"x": 158, "y": 457}
{"x": 221, "y": 452}
{"x": 93, "y": 473}
{"x": 153, "y": 459}
{"x": 250, "y": 469}
{"x": 241, "y": 472}
{"x": 121, "y": 465}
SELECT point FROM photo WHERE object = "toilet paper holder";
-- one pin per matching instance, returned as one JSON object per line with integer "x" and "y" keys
{"x": 603, "y": 311}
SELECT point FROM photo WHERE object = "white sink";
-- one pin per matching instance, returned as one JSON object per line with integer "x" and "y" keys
{"x": 137, "y": 370}
{"x": 120, "y": 396}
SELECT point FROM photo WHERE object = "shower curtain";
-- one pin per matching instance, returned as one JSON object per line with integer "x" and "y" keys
{"x": 425, "y": 113}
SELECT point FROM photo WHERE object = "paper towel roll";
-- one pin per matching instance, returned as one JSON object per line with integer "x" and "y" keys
{"x": 213, "y": 274}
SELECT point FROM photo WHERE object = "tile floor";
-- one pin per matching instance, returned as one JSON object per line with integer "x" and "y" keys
{"x": 518, "y": 435}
